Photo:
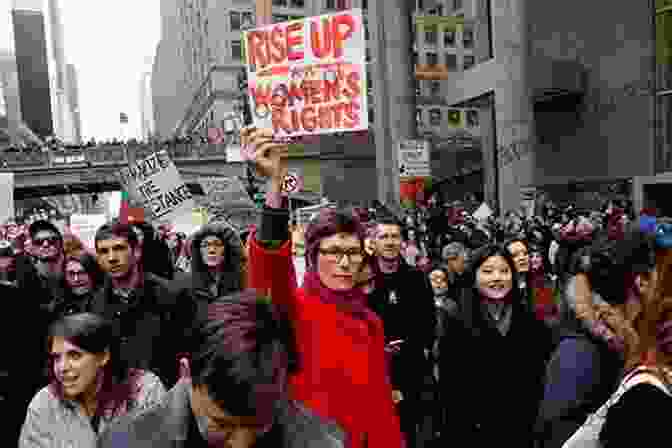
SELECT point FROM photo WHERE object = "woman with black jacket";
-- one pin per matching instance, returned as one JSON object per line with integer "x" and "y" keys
{"x": 492, "y": 360}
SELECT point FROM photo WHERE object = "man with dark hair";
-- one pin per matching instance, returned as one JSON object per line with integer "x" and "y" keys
{"x": 232, "y": 392}
{"x": 403, "y": 295}
{"x": 150, "y": 315}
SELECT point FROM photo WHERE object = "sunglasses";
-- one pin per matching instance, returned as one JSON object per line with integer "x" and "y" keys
{"x": 52, "y": 240}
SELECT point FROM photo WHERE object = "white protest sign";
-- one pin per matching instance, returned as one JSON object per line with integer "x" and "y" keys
{"x": 308, "y": 76}
{"x": 6, "y": 197}
{"x": 414, "y": 159}
{"x": 158, "y": 186}
{"x": 84, "y": 227}
{"x": 482, "y": 213}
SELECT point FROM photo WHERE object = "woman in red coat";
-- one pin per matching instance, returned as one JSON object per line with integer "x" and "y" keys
{"x": 342, "y": 372}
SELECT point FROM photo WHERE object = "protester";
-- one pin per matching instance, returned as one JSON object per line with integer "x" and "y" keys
{"x": 328, "y": 311}
{"x": 72, "y": 246}
{"x": 217, "y": 264}
{"x": 83, "y": 278}
{"x": 234, "y": 388}
{"x": 402, "y": 292}
{"x": 90, "y": 387}
{"x": 499, "y": 335}
{"x": 643, "y": 399}
{"x": 149, "y": 314}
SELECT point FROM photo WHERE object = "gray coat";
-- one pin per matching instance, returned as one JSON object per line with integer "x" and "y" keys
{"x": 171, "y": 425}
{"x": 51, "y": 422}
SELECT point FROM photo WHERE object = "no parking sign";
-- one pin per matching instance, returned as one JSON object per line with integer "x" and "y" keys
{"x": 292, "y": 183}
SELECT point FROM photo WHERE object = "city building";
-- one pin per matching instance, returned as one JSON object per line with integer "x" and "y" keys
{"x": 73, "y": 99}
{"x": 147, "y": 127}
{"x": 41, "y": 65}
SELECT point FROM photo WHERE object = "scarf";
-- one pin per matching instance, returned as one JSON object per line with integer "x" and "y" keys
{"x": 352, "y": 300}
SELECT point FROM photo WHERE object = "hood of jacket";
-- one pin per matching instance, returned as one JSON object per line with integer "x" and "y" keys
{"x": 233, "y": 257}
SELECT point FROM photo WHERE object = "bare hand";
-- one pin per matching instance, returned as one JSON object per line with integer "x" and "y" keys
{"x": 270, "y": 157}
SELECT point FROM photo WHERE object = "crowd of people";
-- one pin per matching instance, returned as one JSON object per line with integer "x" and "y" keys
{"x": 429, "y": 328}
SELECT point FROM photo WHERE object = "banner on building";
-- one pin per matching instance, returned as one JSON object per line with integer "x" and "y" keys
{"x": 84, "y": 227}
{"x": 155, "y": 183}
{"x": 308, "y": 76}
{"x": 6, "y": 197}
{"x": 414, "y": 159}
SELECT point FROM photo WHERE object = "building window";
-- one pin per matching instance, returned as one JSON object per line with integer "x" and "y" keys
{"x": 236, "y": 50}
{"x": 449, "y": 37}
{"x": 435, "y": 117}
{"x": 371, "y": 114}
{"x": 451, "y": 61}
{"x": 418, "y": 87}
{"x": 432, "y": 58}
{"x": 298, "y": 3}
{"x": 469, "y": 61}
{"x": 472, "y": 118}
{"x": 365, "y": 4}
{"x": 279, "y": 2}
{"x": 431, "y": 34}
{"x": 468, "y": 37}
{"x": 279, "y": 18}
{"x": 368, "y": 54}
{"x": 367, "y": 36}
{"x": 248, "y": 19}
{"x": 457, "y": 5}
{"x": 415, "y": 58}
{"x": 330, "y": 4}
{"x": 235, "y": 20}
{"x": 663, "y": 140}
{"x": 436, "y": 11}
{"x": 435, "y": 87}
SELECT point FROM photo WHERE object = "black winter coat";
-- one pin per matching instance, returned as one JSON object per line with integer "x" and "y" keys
{"x": 154, "y": 326}
{"x": 491, "y": 383}
{"x": 410, "y": 315}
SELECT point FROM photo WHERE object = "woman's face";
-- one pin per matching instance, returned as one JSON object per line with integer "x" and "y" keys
{"x": 212, "y": 251}
{"x": 520, "y": 257}
{"x": 339, "y": 260}
{"x": 76, "y": 369}
{"x": 494, "y": 275}
{"x": 78, "y": 280}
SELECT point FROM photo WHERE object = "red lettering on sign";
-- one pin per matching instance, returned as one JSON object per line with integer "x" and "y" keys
{"x": 339, "y": 35}
{"x": 279, "y": 44}
{"x": 294, "y": 39}
{"x": 257, "y": 48}
{"x": 321, "y": 45}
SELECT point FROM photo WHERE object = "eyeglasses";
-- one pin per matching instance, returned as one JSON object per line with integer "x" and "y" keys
{"x": 51, "y": 240}
{"x": 336, "y": 254}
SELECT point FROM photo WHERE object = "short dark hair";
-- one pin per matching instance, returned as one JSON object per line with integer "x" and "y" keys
{"x": 243, "y": 345}
{"x": 41, "y": 225}
{"x": 115, "y": 229}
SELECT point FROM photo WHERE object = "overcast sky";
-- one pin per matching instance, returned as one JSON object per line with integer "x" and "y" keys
{"x": 111, "y": 43}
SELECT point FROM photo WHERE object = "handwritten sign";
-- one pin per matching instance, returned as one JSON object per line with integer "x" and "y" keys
{"x": 414, "y": 159}
{"x": 157, "y": 185}
{"x": 308, "y": 76}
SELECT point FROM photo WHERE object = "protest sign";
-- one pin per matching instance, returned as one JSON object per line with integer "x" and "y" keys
{"x": 414, "y": 159}
{"x": 6, "y": 197}
{"x": 308, "y": 76}
{"x": 155, "y": 183}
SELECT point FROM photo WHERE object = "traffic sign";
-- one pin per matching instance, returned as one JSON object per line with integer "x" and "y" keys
{"x": 292, "y": 183}
{"x": 414, "y": 159}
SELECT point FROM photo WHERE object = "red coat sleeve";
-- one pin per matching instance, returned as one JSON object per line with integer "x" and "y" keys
{"x": 271, "y": 272}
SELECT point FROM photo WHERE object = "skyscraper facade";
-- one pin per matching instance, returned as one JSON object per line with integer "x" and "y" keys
{"x": 40, "y": 58}
{"x": 73, "y": 99}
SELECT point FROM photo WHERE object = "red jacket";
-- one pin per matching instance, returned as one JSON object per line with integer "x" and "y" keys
{"x": 342, "y": 369}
